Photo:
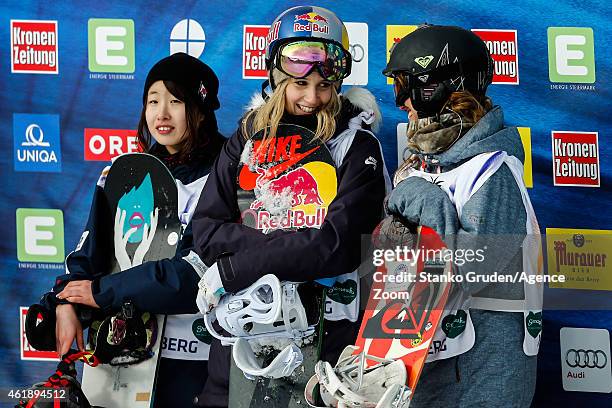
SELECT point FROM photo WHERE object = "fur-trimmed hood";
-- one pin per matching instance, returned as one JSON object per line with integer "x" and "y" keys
{"x": 359, "y": 98}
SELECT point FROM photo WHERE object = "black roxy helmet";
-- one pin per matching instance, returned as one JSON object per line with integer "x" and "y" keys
{"x": 434, "y": 61}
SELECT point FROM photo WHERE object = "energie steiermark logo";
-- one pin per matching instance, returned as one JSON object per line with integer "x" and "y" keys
{"x": 571, "y": 55}
{"x": 40, "y": 235}
{"x": 111, "y": 45}
{"x": 36, "y": 142}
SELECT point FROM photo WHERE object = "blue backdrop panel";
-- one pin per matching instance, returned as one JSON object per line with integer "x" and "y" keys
{"x": 79, "y": 99}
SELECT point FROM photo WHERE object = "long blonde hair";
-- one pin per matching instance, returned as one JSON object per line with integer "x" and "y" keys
{"x": 267, "y": 116}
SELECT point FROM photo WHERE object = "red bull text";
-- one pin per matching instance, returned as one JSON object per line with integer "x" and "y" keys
{"x": 316, "y": 23}
{"x": 291, "y": 219}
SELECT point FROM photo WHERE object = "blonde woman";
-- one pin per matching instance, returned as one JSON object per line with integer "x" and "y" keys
{"x": 306, "y": 69}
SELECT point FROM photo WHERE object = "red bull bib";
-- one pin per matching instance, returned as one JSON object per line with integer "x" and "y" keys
{"x": 285, "y": 182}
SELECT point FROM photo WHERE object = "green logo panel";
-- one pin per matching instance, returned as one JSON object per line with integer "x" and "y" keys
{"x": 571, "y": 55}
{"x": 111, "y": 45}
{"x": 40, "y": 235}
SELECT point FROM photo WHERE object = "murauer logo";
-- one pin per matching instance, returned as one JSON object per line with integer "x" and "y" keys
{"x": 36, "y": 142}
{"x": 502, "y": 45}
{"x": 104, "y": 144}
{"x": 575, "y": 159}
{"x": 34, "y": 47}
{"x": 577, "y": 258}
{"x": 254, "y": 51}
{"x": 582, "y": 256}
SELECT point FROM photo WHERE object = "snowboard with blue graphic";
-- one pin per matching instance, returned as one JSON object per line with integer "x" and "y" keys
{"x": 142, "y": 199}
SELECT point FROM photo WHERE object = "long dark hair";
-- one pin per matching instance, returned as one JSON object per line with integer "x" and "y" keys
{"x": 198, "y": 132}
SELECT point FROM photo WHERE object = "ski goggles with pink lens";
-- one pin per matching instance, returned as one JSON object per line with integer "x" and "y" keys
{"x": 298, "y": 59}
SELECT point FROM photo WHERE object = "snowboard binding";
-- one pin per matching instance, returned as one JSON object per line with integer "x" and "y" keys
{"x": 61, "y": 388}
{"x": 125, "y": 338}
{"x": 352, "y": 383}
{"x": 270, "y": 316}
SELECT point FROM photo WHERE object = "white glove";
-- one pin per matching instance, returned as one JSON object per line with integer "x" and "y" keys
{"x": 210, "y": 290}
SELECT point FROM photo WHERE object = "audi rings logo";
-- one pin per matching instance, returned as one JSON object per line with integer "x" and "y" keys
{"x": 357, "y": 52}
{"x": 586, "y": 358}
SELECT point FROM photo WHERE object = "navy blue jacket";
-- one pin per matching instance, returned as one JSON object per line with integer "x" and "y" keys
{"x": 306, "y": 254}
{"x": 168, "y": 286}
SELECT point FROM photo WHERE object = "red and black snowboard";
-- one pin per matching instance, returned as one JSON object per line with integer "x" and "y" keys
{"x": 408, "y": 295}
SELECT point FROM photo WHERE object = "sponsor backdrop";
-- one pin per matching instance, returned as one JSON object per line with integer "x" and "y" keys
{"x": 72, "y": 75}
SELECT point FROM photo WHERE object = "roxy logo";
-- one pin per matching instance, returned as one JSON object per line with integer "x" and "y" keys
{"x": 36, "y": 142}
{"x": 34, "y": 47}
{"x": 575, "y": 159}
{"x": 104, "y": 144}
{"x": 502, "y": 45}
{"x": 254, "y": 52}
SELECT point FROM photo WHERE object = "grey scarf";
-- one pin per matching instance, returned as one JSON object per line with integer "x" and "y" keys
{"x": 436, "y": 134}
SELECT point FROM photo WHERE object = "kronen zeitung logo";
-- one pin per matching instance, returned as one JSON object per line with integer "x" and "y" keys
{"x": 34, "y": 47}
{"x": 502, "y": 45}
{"x": 254, "y": 52}
{"x": 575, "y": 159}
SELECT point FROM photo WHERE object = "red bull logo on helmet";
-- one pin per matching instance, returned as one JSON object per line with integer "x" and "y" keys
{"x": 272, "y": 33}
{"x": 315, "y": 23}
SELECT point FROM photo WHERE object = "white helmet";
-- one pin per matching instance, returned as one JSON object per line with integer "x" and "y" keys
{"x": 352, "y": 384}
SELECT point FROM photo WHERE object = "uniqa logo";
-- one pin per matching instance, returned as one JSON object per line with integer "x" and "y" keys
{"x": 586, "y": 358}
{"x": 34, "y": 137}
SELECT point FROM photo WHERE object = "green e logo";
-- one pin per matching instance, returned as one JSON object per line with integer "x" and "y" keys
{"x": 111, "y": 45}
{"x": 40, "y": 235}
{"x": 571, "y": 55}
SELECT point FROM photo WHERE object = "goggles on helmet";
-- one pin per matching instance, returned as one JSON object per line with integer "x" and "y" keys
{"x": 298, "y": 59}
